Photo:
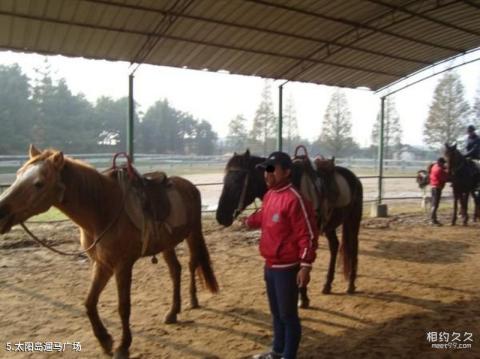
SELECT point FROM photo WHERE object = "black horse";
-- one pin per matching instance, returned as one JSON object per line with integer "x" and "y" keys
{"x": 243, "y": 183}
{"x": 465, "y": 177}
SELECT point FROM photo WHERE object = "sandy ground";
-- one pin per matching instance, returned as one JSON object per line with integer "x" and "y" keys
{"x": 413, "y": 280}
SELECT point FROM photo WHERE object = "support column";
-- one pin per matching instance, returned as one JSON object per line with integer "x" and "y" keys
{"x": 380, "y": 210}
{"x": 380, "y": 151}
{"x": 280, "y": 118}
{"x": 131, "y": 118}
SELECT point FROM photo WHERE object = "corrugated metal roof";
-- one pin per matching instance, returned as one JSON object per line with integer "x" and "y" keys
{"x": 368, "y": 43}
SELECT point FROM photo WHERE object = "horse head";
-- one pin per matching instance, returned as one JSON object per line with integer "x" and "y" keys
{"x": 422, "y": 179}
{"x": 242, "y": 183}
{"x": 36, "y": 188}
{"x": 453, "y": 157}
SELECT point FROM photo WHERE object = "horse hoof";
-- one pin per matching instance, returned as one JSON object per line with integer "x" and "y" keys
{"x": 107, "y": 344}
{"x": 121, "y": 354}
{"x": 304, "y": 304}
{"x": 351, "y": 290}
{"x": 326, "y": 290}
{"x": 194, "y": 304}
{"x": 170, "y": 318}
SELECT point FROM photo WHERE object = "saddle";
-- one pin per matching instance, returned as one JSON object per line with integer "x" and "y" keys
{"x": 323, "y": 185}
{"x": 150, "y": 199}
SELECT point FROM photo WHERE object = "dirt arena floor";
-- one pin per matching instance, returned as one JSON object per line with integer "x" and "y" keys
{"x": 416, "y": 284}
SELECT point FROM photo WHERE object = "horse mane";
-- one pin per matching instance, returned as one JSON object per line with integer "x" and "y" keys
{"x": 242, "y": 161}
{"x": 87, "y": 184}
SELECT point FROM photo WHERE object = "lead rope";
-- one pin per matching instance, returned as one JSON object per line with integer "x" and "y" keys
{"x": 78, "y": 253}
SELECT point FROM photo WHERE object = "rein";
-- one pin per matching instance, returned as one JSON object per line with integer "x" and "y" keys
{"x": 241, "y": 202}
{"x": 78, "y": 253}
{"x": 131, "y": 173}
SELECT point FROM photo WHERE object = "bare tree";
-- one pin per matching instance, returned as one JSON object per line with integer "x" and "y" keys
{"x": 448, "y": 113}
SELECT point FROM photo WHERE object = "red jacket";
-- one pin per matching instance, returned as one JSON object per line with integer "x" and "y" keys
{"x": 438, "y": 176}
{"x": 289, "y": 231}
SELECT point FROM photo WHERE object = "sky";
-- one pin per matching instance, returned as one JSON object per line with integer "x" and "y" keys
{"x": 219, "y": 97}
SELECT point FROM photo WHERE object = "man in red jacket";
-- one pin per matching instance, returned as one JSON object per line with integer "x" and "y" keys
{"x": 438, "y": 178}
{"x": 288, "y": 243}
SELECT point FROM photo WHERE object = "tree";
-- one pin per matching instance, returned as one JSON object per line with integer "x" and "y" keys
{"x": 205, "y": 138}
{"x": 111, "y": 119}
{"x": 159, "y": 129}
{"x": 62, "y": 119}
{"x": 167, "y": 130}
{"x": 448, "y": 114}
{"x": 263, "y": 130}
{"x": 290, "y": 129}
{"x": 336, "y": 136}
{"x": 476, "y": 109}
{"x": 392, "y": 131}
{"x": 237, "y": 134}
{"x": 16, "y": 110}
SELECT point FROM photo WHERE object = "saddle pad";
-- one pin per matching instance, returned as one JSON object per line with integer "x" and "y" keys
{"x": 307, "y": 188}
{"x": 344, "y": 193}
{"x": 178, "y": 212}
{"x": 144, "y": 223}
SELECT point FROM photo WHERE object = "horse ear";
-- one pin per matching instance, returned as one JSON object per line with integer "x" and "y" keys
{"x": 247, "y": 153}
{"x": 58, "y": 160}
{"x": 454, "y": 146}
{"x": 235, "y": 153}
{"x": 33, "y": 151}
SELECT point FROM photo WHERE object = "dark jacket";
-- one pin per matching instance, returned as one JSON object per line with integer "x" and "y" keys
{"x": 473, "y": 146}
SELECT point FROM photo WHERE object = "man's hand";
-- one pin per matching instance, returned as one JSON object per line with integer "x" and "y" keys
{"x": 303, "y": 276}
{"x": 242, "y": 221}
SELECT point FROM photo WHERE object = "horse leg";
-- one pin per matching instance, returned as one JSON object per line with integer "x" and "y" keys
{"x": 333, "y": 246}
{"x": 100, "y": 278}
{"x": 193, "y": 264}
{"x": 464, "y": 210}
{"x": 350, "y": 251}
{"x": 454, "y": 214}
{"x": 175, "y": 273}
{"x": 304, "y": 301}
{"x": 123, "y": 276}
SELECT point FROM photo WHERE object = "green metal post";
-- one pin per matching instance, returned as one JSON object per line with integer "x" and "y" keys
{"x": 280, "y": 118}
{"x": 380, "y": 151}
{"x": 131, "y": 116}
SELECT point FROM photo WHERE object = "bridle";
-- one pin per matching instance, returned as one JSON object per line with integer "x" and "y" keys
{"x": 243, "y": 194}
{"x": 131, "y": 173}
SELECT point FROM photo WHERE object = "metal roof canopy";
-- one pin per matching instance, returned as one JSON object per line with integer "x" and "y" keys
{"x": 361, "y": 43}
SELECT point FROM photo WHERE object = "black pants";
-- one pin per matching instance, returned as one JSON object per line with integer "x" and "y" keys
{"x": 282, "y": 292}
{"x": 436, "y": 195}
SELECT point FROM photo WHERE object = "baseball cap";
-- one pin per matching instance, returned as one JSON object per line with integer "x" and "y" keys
{"x": 471, "y": 128}
{"x": 276, "y": 158}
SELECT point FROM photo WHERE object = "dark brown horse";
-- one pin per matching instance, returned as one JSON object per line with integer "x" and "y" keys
{"x": 465, "y": 177}
{"x": 243, "y": 183}
{"x": 94, "y": 201}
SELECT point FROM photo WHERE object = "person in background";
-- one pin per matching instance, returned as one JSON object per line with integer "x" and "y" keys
{"x": 288, "y": 243}
{"x": 438, "y": 178}
{"x": 473, "y": 144}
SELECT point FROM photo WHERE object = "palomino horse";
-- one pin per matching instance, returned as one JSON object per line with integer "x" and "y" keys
{"x": 465, "y": 177}
{"x": 94, "y": 201}
{"x": 243, "y": 183}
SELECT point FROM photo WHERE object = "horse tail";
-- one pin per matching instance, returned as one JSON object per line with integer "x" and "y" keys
{"x": 199, "y": 255}
{"x": 351, "y": 228}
